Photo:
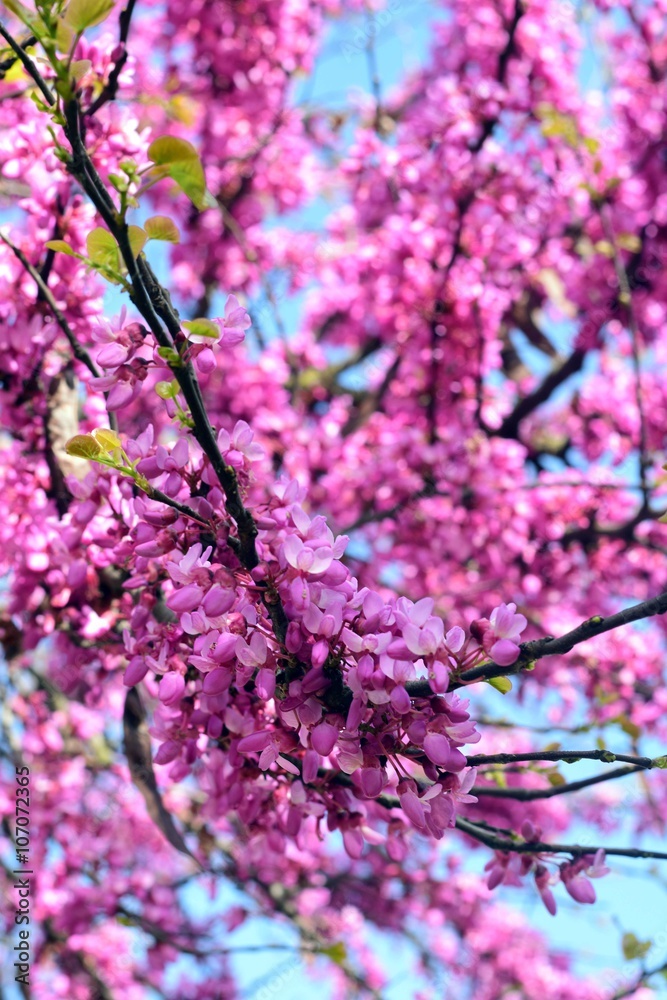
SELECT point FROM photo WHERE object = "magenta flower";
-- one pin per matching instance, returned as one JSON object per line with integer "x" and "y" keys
{"x": 234, "y": 323}
{"x": 171, "y": 688}
{"x": 185, "y": 599}
{"x": 253, "y": 653}
{"x": 506, "y": 628}
{"x": 186, "y": 569}
{"x": 323, "y": 738}
{"x": 543, "y": 882}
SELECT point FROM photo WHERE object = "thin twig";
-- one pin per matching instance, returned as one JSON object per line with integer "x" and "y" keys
{"x": 79, "y": 352}
{"x": 489, "y": 836}
{"x": 569, "y": 756}
{"x": 29, "y": 65}
{"x": 111, "y": 88}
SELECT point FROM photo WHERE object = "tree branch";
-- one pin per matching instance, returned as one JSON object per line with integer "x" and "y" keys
{"x": 639, "y": 982}
{"x": 531, "y": 794}
{"x": 548, "y": 646}
{"x": 508, "y": 51}
{"x": 510, "y": 425}
{"x": 79, "y": 352}
{"x": 488, "y": 835}
{"x": 28, "y": 64}
{"x": 569, "y": 756}
{"x": 110, "y": 90}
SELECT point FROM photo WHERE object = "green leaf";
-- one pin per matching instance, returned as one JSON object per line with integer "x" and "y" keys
{"x": 79, "y": 69}
{"x": 169, "y": 355}
{"x": 633, "y": 947}
{"x": 189, "y": 175}
{"x": 167, "y": 149}
{"x": 107, "y": 439}
{"x": 161, "y": 227}
{"x": 204, "y": 328}
{"x": 555, "y": 778}
{"x": 336, "y": 952}
{"x": 167, "y": 390}
{"x": 660, "y": 762}
{"x": 137, "y": 238}
{"x": 502, "y": 684}
{"x": 64, "y": 36}
{"x": 83, "y": 446}
{"x": 82, "y": 14}
{"x": 102, "y": 248}
{"x": 181, "y": 162}
{"x": 61, "y": 247}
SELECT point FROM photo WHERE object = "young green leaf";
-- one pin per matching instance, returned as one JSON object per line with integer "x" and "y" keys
{"x": 633, "y": 947}
{"x": 79, "y": 68}
{"x": 107, "y": 439}
{"x": 167, "y": 149}
{"x": 82, "y": 14}
{"x": 64, "y": 36}
{"x": 181, "y": 162}
{"x": 102, "y": 248}
{"x": 167, "y": 390}
{"x": 189, "y": 175}
{"x": 336, "y": 952}
{"x": 161, "y": 227}
{"x": 61, "y": 247}
{"x": 137, "y": 238}
{"x": 83, "y": 446}
{"x": 169, "y": 355}
{"x": 502, "y": 684}
{"x": 202, "y": 328}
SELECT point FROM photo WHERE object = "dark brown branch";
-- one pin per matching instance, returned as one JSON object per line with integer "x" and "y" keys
{"x": 489, "y": 836}
{"x": 508, "y": 51}
{"x": 531, "y": 794}
{"x": 569, "y": 756}
{"x": 28, "y": 64}
{"x": 111, "y": 88}
{"x": 154, "y": 304}
{"x": 7, "y": 64}
{"x": 643, "y": 977}
{"x": 79, "y": 352}
{"x": 510, "y": 425}
{"x": 549, "y": 646}
{"x": 624, "y": 532}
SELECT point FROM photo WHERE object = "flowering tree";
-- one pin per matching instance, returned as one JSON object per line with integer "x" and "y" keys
{"x": 249, "y": 575}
